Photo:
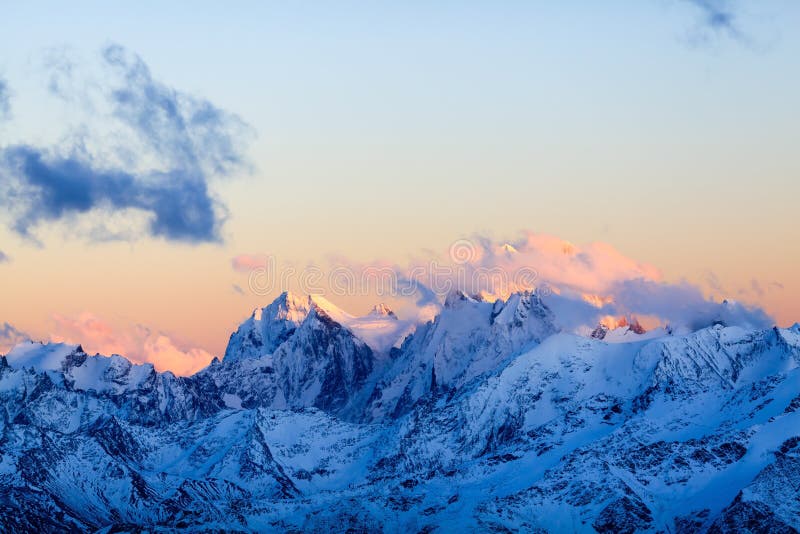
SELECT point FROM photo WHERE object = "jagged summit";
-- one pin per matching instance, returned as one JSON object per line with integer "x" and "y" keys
{"x": 329, "y": 309}
{"x": 294, "y": 308}
{"x": 268, "y": 327}
{"x": 508, "y": 249}
{"x": 599, "y": 332}
{"x": 290, "y": 306}
{"x": 381, "y": 310}
{"x": 456, "y": 298}
{"x": 43, "y": 356}
{"x": 615, "y": 329}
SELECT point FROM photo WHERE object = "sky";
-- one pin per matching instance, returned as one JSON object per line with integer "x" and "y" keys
{"x": 151, "y": 155}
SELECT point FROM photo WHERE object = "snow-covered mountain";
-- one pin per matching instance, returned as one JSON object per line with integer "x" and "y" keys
{"x": 487, "y": 418}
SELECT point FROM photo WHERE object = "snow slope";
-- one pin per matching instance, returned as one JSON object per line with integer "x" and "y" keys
{"x": 485, "y": 419}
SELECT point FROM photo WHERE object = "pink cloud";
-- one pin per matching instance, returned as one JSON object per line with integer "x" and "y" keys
{"x": 586, "y": 282}
{"x": 247, "y": 262}
{"x": 136, "y": 342}
{"x": 593, "y": 268}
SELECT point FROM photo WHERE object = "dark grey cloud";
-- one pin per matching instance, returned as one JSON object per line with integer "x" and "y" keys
{"x": 51, "y": 188}
{"x": 178, "y": 144}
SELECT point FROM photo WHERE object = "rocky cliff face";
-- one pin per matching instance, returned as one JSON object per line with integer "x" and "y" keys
{"x": 485, "y": 419}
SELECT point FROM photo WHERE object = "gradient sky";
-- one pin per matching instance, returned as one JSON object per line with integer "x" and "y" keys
{"x": 666, "y": 128}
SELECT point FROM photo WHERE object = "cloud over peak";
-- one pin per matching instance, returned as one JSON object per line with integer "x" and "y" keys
{"x": 582, "y": 283}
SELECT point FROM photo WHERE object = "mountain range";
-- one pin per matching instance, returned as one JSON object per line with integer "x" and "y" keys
{"x": 491, "y": 417}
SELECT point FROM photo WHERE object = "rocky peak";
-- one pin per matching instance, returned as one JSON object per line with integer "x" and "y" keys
{"x": 456, "y": 298}
{"x": 599, "y": 332}
{"x": 268, "y": 327}
{"x": 381, "y": 310}
{"x": 288, "y": 306}
{"x": 46, "y": 356}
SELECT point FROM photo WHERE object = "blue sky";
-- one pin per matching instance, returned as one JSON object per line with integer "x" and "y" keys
{"x": 667, "y": 128}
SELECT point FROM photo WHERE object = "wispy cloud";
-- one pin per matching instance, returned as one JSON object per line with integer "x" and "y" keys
{"x": 185, "y": 132}
{"x": 4, "y": 257}
{"x": 719, "y": 17}
{"x": 5, "y": 100}
{"x": 10, "y": 336}
{"x": 244, "y": 263}
{"x": 179, "y": 144}
{"x": 713, "y": 282}
{"x": 755, "y": 286}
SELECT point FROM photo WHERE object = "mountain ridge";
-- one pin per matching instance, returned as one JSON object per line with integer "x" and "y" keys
{"x": 489, "y": 417}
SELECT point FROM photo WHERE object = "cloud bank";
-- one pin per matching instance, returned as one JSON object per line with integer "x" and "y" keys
{"x": 585, "y": 285}
{"x": 172, "y": 145}
{"x": 590, "y": 282}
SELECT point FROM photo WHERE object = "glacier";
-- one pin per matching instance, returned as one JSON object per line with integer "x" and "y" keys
{"x": 488, "y": 418}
